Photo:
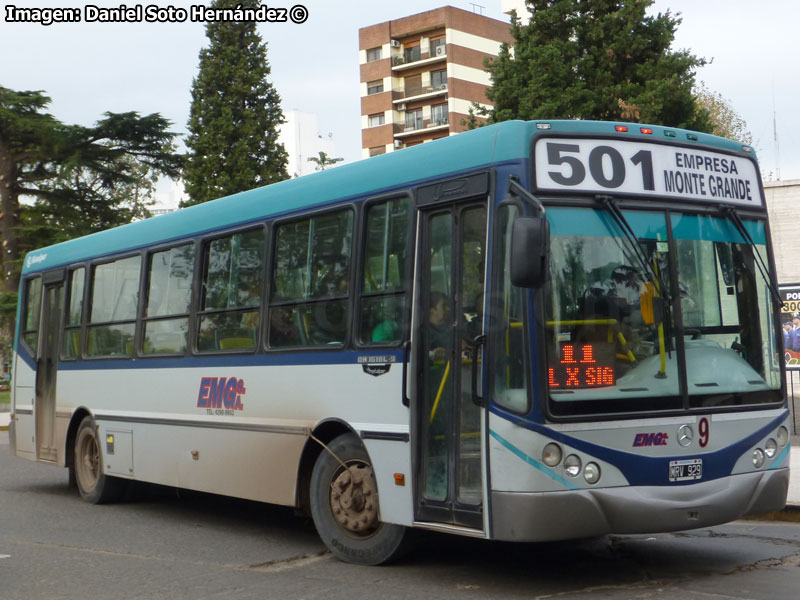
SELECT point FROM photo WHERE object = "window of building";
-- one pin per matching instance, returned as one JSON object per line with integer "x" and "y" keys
{"x": 375, "y": 87}
{"x": 311, "y": 281}
{"x": 374, "y": 54}
{"x": 412, "y": 54}
{"x": 72, "y": 320}
{"x": 439, "y": 79}
{"x": 383, "y": 286}
{"x": 413, "y": 119}
{"x": 438, "y": 47}
{"x": 439, "y": 115}
{"x": 115, "y": 299}
{"x": 231, "y": 292}
{"x": 169, "y": 299}
{"x": 377, "y": 120}
{"x": 376, "y": 150}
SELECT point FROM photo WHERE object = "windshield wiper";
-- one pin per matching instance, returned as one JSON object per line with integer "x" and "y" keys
{"x": 665, "y": 322}
{"x": 730, "y": 212}
{"x": 610, "y": 205}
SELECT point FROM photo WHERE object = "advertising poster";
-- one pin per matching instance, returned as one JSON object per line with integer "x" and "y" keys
{"x": 790, "y": 324}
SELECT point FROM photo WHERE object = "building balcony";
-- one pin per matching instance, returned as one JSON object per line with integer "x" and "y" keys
{"x": 420, "y": 93}
{"x": 403, "y": 63}
{"x": 424, "y": 125}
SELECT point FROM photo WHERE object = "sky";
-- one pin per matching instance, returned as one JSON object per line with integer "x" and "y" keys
{"x": 90, "y": 68}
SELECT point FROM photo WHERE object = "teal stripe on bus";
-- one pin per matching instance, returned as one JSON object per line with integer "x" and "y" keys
{"x": 480, "y": 148}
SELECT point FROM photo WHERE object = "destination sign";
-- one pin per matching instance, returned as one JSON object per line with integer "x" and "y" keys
{"x": 638, "y": 168}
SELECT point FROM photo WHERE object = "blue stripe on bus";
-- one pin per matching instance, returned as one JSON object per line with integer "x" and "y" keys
{"x": 653, "y": 470}
{"x": 533, "y": 462}
{"x": 271, "y": 359}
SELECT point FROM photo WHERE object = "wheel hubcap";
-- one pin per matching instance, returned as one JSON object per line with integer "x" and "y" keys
{"x": 354, "y": 499}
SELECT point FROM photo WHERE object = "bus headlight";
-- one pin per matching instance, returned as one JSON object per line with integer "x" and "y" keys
{"x": 770, "y": 448}
{"x": 572, "y": 465}
{"x": 591, "y": 473}
{"x": 758, "y": 458}
{"x": 551, "y": 455}
{"x": 783, "y": 436}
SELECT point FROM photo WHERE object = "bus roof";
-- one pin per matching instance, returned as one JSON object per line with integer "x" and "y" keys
{"x": 508, "y": 141}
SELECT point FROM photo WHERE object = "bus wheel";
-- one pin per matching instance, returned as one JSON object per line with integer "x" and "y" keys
{"x": 344, "y": 505}
{"x": 93, "y": 484}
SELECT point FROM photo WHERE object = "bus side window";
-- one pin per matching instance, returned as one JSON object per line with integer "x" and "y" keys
{"x": 383, "y": 290}
{"x": 311, "y": 281}
{"x": 231, "y": 303}
{"x": 169, "y": 298}
{"x": 115, "y": 298}
{"x": 32, "y": 313}
{"x": 72, "y": 322}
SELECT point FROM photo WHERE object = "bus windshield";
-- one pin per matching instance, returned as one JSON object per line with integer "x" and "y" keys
{"x": 612, "y": 336}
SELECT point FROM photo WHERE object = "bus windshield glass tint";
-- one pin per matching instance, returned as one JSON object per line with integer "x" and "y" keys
{"x": 612, "y": 342}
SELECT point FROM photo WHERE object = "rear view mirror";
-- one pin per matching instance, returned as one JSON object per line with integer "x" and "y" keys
{"x": 530, "y": 239}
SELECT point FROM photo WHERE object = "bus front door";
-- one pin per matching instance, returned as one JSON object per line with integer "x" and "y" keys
{"x": 450, "y": 276}
{"x": 46, "y": 368}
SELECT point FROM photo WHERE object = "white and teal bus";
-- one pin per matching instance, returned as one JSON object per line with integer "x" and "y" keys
{"x": 531, "y": 331}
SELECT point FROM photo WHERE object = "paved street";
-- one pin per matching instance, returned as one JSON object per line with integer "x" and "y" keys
{"x": 161, "y": 544}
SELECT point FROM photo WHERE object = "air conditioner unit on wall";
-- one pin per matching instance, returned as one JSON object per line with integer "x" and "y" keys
{"x": 440, "y": 50}
{"x": 395, "y": 43}
{"x": 443, "y": 86}
{"x": 401, "y": 106}
{"x": 398, "y": 144}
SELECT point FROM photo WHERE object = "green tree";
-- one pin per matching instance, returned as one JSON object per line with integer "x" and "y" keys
{"x": 594, "y": 59}
{"x": 725, "y": 121}
{"x": 323, "y": 161}
{"x": 76, "y": 180}
{"x": 235, "y": 114}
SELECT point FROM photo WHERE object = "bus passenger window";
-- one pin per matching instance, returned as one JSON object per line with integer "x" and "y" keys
{"x": 231, "y": 302}
{"x": 32, "y": 313}
{"x": 115, "y": 297}
{"x": 169, "y": 298}
{"x": 72, "y": 322}
{"x": 311, "y": 281}
{"x": 383, "y": 287}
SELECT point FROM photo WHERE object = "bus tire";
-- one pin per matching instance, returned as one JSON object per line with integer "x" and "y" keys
{"x": 344, "y": 506}
{"x": 94, "y": 486}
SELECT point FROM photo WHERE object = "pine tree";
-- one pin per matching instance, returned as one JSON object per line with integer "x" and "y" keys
{"x": 235, "y": 114}
{"x": 595, "y": 59}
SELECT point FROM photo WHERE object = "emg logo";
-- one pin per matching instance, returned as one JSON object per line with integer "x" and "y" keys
{"x": 221, "y": 392}
{"x": 650, "y": 439}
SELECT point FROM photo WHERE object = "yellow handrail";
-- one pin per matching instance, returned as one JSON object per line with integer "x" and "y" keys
{"x": 441, "y": 389}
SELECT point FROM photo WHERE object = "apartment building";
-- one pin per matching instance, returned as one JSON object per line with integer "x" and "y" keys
{"x": 420, "y": 75}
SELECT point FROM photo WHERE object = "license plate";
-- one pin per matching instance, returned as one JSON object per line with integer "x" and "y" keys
{"x": 685, "y": 470}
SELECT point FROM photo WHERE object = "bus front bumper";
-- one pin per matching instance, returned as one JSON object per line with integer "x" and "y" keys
{"x": 534, "y": 517}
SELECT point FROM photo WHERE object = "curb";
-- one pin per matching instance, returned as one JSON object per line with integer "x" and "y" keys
{"x": 789, "y": 513}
